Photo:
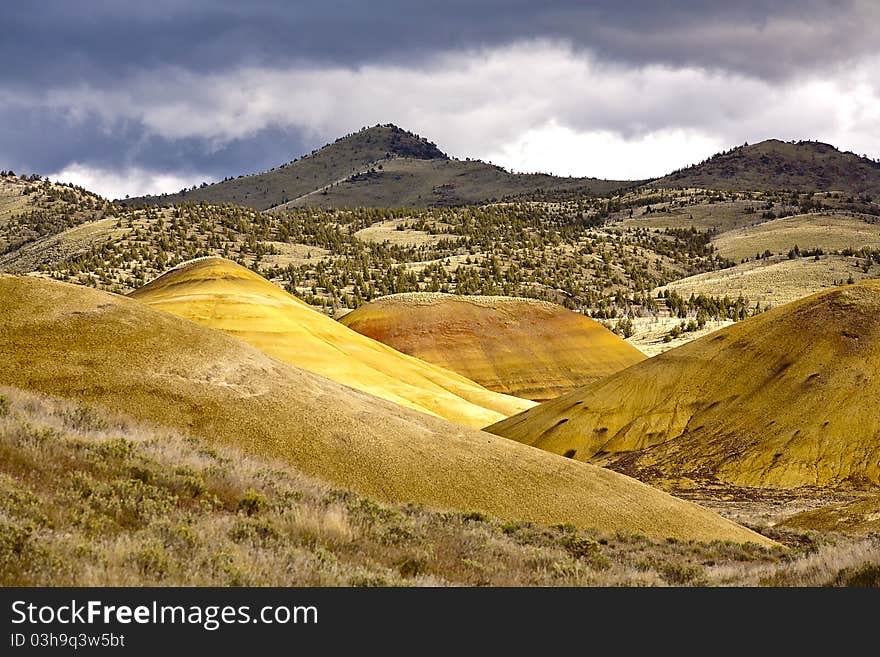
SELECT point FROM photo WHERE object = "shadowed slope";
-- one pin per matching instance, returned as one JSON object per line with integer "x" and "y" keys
{"x": 521, "y": 347}
{"x": 787, "y": 398}
{"x": 223, "y": 295}
{"x": 117, "y": 353}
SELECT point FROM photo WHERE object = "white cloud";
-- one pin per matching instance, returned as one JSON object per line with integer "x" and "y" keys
{"x": 602, "y": 153}
{"x": 116, "y": 184}
{"x": 531, "y": 106}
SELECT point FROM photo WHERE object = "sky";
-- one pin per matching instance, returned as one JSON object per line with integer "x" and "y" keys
{"x": 128, "y": 98}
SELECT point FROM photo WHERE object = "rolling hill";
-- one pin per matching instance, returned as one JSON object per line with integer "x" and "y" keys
{"x": 408, "y": 182}
{"x": 381, "y": 166}
{"x": 346, "y": 156}
{"x": 787, "y": 398}
{"x": 119, "y": 354}
{"x": 826, "y": 231}
{"x": 772, "y": 165}
{"x": 223, "y": 295}
{"x": 33, "y": 208}
{"x": 523, "y": 347}
{"x": 775, "y": 281}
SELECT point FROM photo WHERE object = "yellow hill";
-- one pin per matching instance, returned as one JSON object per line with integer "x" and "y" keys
{"x": 117, "y": 353}
{"x": 521, "y": 347}
{"x": 787, "y": 398}
{"x": 223, "y": 295}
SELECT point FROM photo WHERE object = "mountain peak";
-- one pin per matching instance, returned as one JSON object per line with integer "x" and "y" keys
{"x": 395, "y": 140}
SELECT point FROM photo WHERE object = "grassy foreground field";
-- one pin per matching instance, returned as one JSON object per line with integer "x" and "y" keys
{"x": 97, "y": 499}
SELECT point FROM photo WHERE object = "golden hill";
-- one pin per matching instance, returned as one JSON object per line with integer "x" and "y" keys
{"x": 787, "y": 398}
{"x": 275, "y": 526}
{"x": 223, "y": 295}
{"x": 521, "y": 347}
{"x": 117, "y": 353}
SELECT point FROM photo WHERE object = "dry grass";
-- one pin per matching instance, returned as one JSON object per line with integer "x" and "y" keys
{"x": 776, "y": 281}
{"x": 649, "y": 333}
{"x": 97, "y": 499}
{"x": 286, "y": 253}
{"x": 12, "y": 199}
{"x": 692, "y": 208}
{"x": 829, "y": 231}
{"x": 855, "y": 563}
{"x": 59, "y": 247}
{"x": 395, "y": 231}
{"x": 861, "y": 516}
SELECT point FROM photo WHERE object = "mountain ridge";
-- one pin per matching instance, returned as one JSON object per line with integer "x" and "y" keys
{"x": 335, "y": 175}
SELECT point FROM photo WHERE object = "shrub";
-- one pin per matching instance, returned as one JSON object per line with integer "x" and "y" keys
{"x": 412, "y": 566}
{"x": 474, "y": 516}
{"x": 252, "y": 502}
{"x": 866, "y": 576}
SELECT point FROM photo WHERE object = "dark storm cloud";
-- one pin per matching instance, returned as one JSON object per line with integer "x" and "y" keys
{"x": 45, "y": 141}
{"x": 105, "y": 41}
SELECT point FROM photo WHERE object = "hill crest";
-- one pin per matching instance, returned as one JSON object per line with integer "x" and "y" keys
{"x": 775, "y": 165}
{"x": 347, "y": 155}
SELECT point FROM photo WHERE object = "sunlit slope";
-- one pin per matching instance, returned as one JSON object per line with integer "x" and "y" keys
{"x": 120, "y": 354}
{"x": 521, "y": 347}
{"x": 788, "y": 398}
{"x": 223, "y": 295}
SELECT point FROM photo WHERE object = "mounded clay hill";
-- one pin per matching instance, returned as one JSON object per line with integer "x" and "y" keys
{"x": 523, "y": 347}
{"x": 784, "y": 399}
{"x": 120, "y": 354}
{"x": 223, "y": 295}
